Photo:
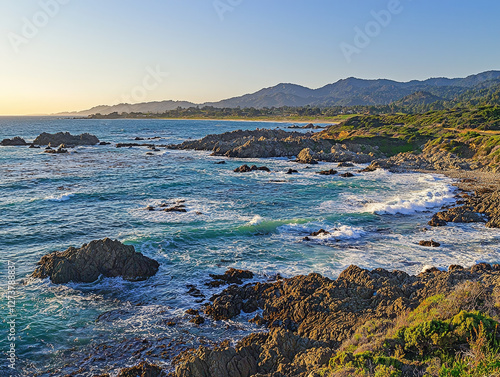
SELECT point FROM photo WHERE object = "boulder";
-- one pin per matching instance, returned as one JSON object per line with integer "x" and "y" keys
{"x": 246, "y": 168}
{"x": 430, "y": 243}
{"x": 327, "y": 172}
{"x": 16, "y": 141}
{"x": 102, "y": 257}
{"x": 345, "y": 165}
{"x": 306, "y": 157}
{"x": 144, "y": 369}
{"x": 66, "y": 138}
{"x": 347, "y": 175}
{"x": 291, "y": 171}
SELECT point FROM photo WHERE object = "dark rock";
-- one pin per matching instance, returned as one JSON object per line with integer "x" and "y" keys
{"x": 56, "y": 151}
{"x": 347, "y": 175}
{"x": 246, "y": 169}
{"x": 138, "y": 138}
{"x": 231, "y": 276}
{"x": 430, "y": 243}
{"x": 194, "y": 292}
{"x": 16, "y": 141}
{"x": 192, "y": 312}
{"x": 34, "y": 146}
{"x": 104, "y": 143}
{"x": 327, "y": 172}
{"x": 345, "y": 165}
{"x": 102, "y": 257}
{"x": 220, "y": 163}
{"x": 481, "y": 267}
{"x": 454, "y": 267}
{"x": 130, "y": 145}
{"x": 197, "y": 320}
{"x": 144, "y": 369}
{"x": 176, "y": 208}
{"x": 463, "y": 214}
{"x": 436, "y": 222}
{"x": 319, "y": 233}
{"x": 66, "y": 138}
{"x": 372, "y": 167}
{"x": 264, "y": 168}
{"x": 150, "y": 208}
{"x": 291, "y": 171}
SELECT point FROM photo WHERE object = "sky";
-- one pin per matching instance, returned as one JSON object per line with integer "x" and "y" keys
{"x": 65, "y": 55}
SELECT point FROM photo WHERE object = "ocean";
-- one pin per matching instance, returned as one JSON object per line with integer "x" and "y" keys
{"x": 255, "y": 221}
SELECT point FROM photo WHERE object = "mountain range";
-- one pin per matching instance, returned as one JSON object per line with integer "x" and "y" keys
{"x": 346, "y": 92}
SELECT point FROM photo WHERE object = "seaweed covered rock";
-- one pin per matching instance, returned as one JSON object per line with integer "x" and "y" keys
{"x": 102, "y": 257}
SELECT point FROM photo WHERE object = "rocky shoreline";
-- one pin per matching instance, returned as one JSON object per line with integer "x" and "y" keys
{"x": 312, "y": 325}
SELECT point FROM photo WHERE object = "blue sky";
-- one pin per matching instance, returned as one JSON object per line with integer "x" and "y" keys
{"x": 90, "y": 52}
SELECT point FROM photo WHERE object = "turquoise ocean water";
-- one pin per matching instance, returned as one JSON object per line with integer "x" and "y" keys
{"x": 254, "y": 221}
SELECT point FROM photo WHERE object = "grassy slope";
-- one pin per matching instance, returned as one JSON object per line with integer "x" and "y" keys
{"x": 454, "y": 335}
{"x": 467, "y": 133}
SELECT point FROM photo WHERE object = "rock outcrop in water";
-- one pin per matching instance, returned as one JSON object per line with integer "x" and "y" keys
{"x": 16, "y": 141}
{"x": 309, "y": 317}
{"x": 264, "y": 143}
{"x": 258, "y": 143}
{"x": 102, "y": 257}
{"x": 65, "y": 138}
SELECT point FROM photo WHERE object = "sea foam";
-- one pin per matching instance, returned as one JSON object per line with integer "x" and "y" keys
{"x": 416, "y": 202}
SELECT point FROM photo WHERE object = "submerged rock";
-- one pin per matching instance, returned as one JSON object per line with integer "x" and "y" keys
{"x": 60, "y": 149}
{"x": 327, "y": 172}
{"x": 176, "y": 208}
{"x": 347, "y": 175}
{"x": 16, "y": 141}
{"x": 66, "y": 138}
{"x": 102, "y": 257}
{"x": 430, "y": 243}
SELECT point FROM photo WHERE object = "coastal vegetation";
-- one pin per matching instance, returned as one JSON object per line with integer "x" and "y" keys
{"x": 445, "y": 336}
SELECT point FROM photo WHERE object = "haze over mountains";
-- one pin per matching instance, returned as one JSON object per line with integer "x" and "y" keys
{"x": 346, "y": 92}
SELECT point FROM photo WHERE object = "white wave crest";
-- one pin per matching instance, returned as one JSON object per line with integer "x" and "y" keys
{"x": 60, "y": 198}
{"x": 416, "y": 202}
